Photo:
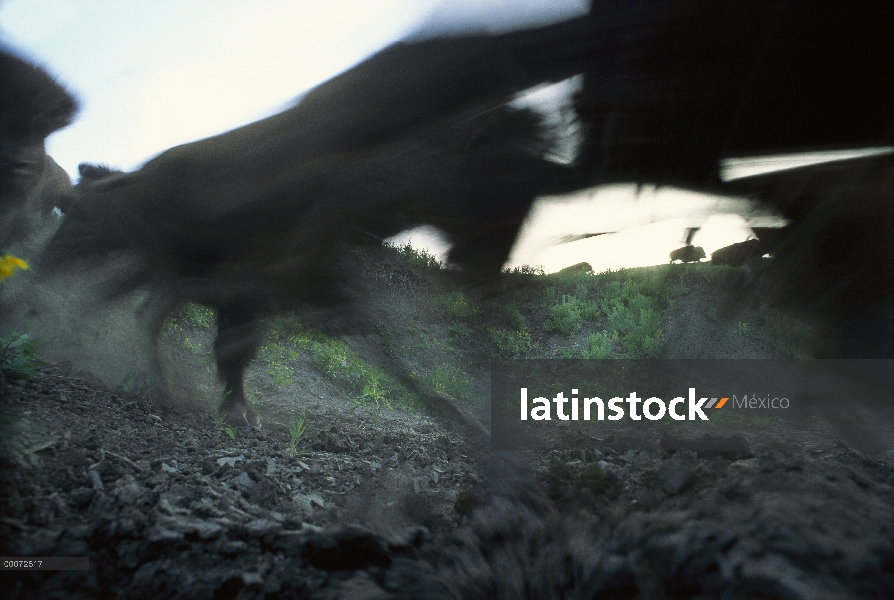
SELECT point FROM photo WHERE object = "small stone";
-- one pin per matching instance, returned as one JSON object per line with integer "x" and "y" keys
{"x": 302, "y": 501}
{"x": 208, "y": 531}
{"x": 95, "y": 479}
{"x": 165, "y": 506}
{"x": 164, "y": 535}
{"x": 261, "y": 527}
{"x": 234, "y": 547}
{"x": 80, "y": 496}
{"x": 243, "y": 480}
{"x": 229, "y": 460}
{"x": 316, "y": 499}
{"x": 747, "y": 464}
{"x": 128, "y": 494}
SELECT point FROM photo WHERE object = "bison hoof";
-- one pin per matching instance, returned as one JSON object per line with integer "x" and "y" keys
{"x": 240, "y": 412}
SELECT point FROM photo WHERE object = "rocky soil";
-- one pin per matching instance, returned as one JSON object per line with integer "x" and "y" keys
{"x": 390, "y": 503}
{"x": 387, "y": 504}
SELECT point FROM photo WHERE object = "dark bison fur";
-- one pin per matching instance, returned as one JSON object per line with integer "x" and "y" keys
{"x": 835, "y": 257}
{"x": 26, "y": 221}
{"x": 32, "y": 106}
{"x": 688, "y": 253}
{"x": 252, "y": 221}
{"x": 676, "y": 87}
{"x": 511, "y": 551}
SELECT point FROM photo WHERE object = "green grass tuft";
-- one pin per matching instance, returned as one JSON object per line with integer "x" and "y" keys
{"x": 296, "y": 427}
{"x": 456, "y": 306}
{"x": 335, "y": 360}
{"x": 512, "y": 344}
{"x": 451, "y": 381}
{"x": 225, "y": 428}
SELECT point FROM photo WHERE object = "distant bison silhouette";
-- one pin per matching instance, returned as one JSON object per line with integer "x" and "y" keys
{"x": 688, "y": 254}
{"x": 581, "y": 267}
{"x": 736, "y": 255}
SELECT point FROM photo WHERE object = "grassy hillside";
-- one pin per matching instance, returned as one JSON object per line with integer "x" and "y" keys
{"x": 417, "y": 325}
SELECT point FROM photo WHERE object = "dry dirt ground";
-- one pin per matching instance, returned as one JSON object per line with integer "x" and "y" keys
{"x": 391, "y": 503}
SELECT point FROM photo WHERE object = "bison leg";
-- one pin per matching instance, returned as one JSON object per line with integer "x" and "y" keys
{"x": 238, "y": 338}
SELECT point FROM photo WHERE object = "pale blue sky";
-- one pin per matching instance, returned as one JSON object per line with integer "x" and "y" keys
{"x": 154, "y": 74}
{"x": 151, "y": 75}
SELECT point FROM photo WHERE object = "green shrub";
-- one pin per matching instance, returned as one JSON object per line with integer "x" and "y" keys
{"x": 418, "y": 259}
{"x": 621, "y": 319}
{"x": 512, "y": 344}
{"x": 591, "y": 311}
{"x": 226, "y": 428}
{"x": 191, "y": 316}
{"x": 565, "y": 318}
{"x": 455, "y": 305}
{"x": 512, "y": 316}
{"x": 198, "y": 316}
{"x": 387, "y": 335}
{"x": 633, "y": 310}
{"x": 600, "y": 346}
{"x": 276, "y": 356}
{"x": 18, "y": 356}
{"x": 528, "y": 270}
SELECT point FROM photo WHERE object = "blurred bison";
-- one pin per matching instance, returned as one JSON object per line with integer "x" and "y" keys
{"x": 677, "y": 87}
{"x": 736, "y": 255}
{"x": 834, "y": 259}
{"x": 688, "y": 253}
{"x": 32, "y": 106}
{"x": 253, "y": 220}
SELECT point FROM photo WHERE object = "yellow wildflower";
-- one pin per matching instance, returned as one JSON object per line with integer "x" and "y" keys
{"x": 8, "y": 265}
